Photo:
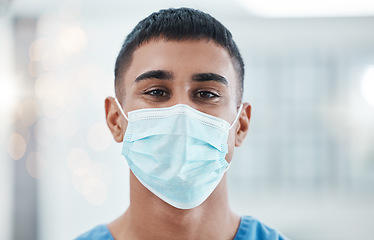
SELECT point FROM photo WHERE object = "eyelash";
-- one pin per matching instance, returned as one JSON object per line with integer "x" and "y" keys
{"x": 212, "y": 95}
{"x": 153, "y": 94}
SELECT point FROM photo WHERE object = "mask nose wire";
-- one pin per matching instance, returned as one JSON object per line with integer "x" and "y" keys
{"x": 120, "y": 108}
{"x": 237, "y": 116}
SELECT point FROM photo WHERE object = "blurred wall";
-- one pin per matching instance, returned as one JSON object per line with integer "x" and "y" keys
{"x": 307, "y": 164}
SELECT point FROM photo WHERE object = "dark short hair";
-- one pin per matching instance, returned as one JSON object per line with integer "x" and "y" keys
{"x": 178, "y": 24}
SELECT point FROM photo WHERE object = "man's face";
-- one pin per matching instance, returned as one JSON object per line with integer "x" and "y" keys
{"x": 196, "y": 73}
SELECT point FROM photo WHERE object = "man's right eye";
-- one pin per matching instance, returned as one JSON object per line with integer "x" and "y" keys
{"x": 157, "y": 93}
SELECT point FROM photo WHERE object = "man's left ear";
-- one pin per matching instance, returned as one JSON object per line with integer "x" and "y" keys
{"x": 243, "y": 124}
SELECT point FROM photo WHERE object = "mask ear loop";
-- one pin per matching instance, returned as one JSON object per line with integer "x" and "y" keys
{"x": 233, "y": 123}
{"x": 237, "y": 116}
{"x": 120, "y": 108}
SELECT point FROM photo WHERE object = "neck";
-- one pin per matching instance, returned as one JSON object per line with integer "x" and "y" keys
{"x": 148, "y": 217}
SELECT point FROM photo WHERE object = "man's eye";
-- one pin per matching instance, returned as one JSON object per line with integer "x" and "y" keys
{"x": 206, "y": 95}
{"x": 157, "y": 93}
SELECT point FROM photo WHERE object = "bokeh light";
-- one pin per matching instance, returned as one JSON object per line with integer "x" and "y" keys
{"x": 72, "y": 39}
{"x": 34, "y": 68}
{"x": 16, "y": 146}
{"x": 28, "y": 111}
{"x": 45, "y": 87}
{"x": 38, "y": 49}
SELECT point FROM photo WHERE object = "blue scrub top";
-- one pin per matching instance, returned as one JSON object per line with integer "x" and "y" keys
{"x": 249, "y": 229}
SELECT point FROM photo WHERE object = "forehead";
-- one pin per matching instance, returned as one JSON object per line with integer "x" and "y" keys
{"x": 182, "y": 58}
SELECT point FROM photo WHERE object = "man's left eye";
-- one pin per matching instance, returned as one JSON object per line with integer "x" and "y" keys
{"x": 206, "y": 95}
{"x": 157, "y": 93}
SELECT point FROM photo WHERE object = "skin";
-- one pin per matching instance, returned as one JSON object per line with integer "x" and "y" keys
{"x": 148, "y": 217}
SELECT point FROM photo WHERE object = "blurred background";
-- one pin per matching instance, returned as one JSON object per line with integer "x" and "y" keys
{"x": 306, "y": 167}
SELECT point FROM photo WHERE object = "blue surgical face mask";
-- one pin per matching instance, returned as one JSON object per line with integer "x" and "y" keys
{"x": 178, "y": 153}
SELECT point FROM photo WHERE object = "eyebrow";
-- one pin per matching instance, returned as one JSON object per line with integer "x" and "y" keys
{"x": 156, "y": 74}
{"x": 204, "y": 77}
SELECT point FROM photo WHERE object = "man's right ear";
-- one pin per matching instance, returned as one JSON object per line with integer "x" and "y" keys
{"x": 114, "y": 119}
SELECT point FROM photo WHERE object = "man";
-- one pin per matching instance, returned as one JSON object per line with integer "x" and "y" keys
{"x": 179, "y": 113}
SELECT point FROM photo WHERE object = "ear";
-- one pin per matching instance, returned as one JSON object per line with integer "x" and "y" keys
{"x": 114, "y": 119}
{"x": 243, "y": 124}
